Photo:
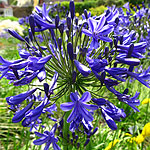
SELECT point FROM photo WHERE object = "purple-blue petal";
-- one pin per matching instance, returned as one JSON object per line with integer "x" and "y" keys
{"x": 90, "y": 106}
{"x": 67, "y": 106}
{"x": 86, "y": 97}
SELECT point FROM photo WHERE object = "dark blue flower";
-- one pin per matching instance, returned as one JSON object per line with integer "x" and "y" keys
{"x": 138, "y": 50}
{"x": 27, "y": 79}
{"x": 70, "y": 50}
{"x": 42, "y": 23}
{"x": 129, "y": 61}
{"x": 131, "y": 101}
{"x": 17, "y": 99}
{"x": 97, "y": 65}
{"x": 5, "y": 67}
{"x": 98, "y": 30}
{"x": 79, "y": 107}
{"x": 37, "y": 63}
{"x": 48, "y": 138}
{"x": 110, "y": 113}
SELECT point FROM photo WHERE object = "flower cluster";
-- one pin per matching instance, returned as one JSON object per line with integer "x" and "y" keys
{"x": 80, "y": 58}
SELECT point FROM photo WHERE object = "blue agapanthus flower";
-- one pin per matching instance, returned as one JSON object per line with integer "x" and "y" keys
{"x": 48, "y": 138}
{"x": 98, "y": 30}
{"x": 79, "y": 107}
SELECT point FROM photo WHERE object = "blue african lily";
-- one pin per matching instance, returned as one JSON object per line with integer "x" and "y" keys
{"x": 48, "y": 138}
{"x": 98, "y": 30}
{"x": 79, "y": 107}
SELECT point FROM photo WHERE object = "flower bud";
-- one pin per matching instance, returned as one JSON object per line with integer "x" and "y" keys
{"x": 72, "y": 9}
{"x": 78, "y": 145}
{"x": 106, "y": 51}
{"x": 126, "y": 91}
{"x": 67, "y": 32}
{"x": 46, "y": 89}
{"x": 85, "y": 71}
{"x": 76, "y": 138}
{"x": 59, "y": 42}
{"x": 109, "y": 58}
{"x": 138, "y": 7}
{"x": 130, "y": 50}
{"x": 121, "y": 40}
{"x": 69, "y": 23}
{"x": 115, "y": 42}
{"x": 15, "y": 34}
{"x": 71, "y": 141}
{"x": 56, "y": 21}
{"x": 76, "y": 21}
{"x": 61, "y": 28}
{"x": 117, "y": 20}
{"x": 61, "y": 134}
{"x": 95, "y": 130}
{"x": 70, "y": 50}
{"x": 85, "y": 13}
{"x": 73, "y": 134}
{"x": 61, "y": 123}
{"x": 32, "y": 23}
{"x": 87, "y": 142}
{"x": 74, "y": 74}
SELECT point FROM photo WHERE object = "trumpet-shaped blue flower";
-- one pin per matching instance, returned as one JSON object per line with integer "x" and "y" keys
{"x": 131, "y": 101}
{"x": 97, "y": 65}
{"x": 79, "y": 107}
{"x": 17, "y": 99}
{"x": 5, "y": 67}
{"x": 98, "y": 30}
{"x": 44, "y": 11}
{"x": 48, "y": 138}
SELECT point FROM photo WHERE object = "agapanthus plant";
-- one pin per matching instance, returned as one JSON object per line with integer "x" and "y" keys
{"x": 74, "y": 61}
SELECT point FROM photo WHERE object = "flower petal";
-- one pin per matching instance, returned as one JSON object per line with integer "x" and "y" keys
{"x": 74, "y": 97}
{"x": 41, "y": 141}
{"x": 86, "y": 97}
{"x": 86, "y": 114}
{"x": 90, "y": 106}
{"x": 67, "y": 106}
{"x": 72, "y": 115}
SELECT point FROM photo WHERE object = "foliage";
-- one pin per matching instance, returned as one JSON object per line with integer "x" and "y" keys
{"x": 8, "y": 17}
{"x": 110, "y": 2}
{"x": 135, "y": 2}
{"x": 80, "y": 6}
{"x": 97, "y": 10}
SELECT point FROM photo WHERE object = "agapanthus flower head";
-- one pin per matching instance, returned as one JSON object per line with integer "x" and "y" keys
{"x": 76, "y": 59}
